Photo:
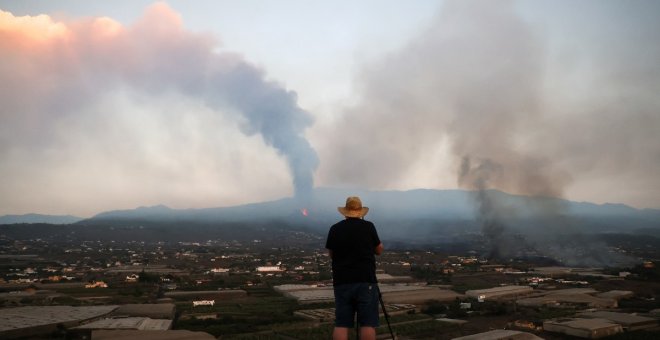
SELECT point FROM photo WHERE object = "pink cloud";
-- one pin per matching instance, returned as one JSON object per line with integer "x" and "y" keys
{"x": 54, "y": 70}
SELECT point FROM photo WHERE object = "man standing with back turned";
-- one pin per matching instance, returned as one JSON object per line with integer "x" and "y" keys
{"x": 352, "y": 244}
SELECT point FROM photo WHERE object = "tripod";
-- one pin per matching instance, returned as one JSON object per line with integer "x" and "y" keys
{"x": 387, "y": 317}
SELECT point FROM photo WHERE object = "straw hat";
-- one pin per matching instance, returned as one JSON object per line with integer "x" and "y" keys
{"x": 353, "y": 208}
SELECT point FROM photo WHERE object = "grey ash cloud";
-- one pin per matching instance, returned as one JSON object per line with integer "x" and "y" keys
{"x": 520, "y": 112}
{"x": 563, "y": 100}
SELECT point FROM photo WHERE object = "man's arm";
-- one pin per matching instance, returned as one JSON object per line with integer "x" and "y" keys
{"x": 330, "y": 241}
{"x": 378, "y": 250}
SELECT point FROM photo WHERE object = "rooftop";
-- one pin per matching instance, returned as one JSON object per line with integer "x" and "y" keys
{"x": 500, "y": 334}
{"x": 152, "y": 310}
{"x": 621, "y": 318}
{"x": 24, "y": 317}
{"x": 155, "y": 335}
{"x": 579, "y": 323}
{"x": 499, "y": 291}
{"x": 137, "y": 323}
{"x": 393, "y": 293}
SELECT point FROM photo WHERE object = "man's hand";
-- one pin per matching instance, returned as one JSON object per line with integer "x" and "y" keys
{"x": 379, "y": 249}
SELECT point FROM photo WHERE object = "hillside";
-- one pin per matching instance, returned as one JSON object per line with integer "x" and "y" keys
{"x": 39, "y": 218}
{"x": 408, "y": 214}
{"x": 415, "y": 215}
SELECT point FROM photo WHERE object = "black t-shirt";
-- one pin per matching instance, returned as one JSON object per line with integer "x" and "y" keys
{"x": 353, "y": 242}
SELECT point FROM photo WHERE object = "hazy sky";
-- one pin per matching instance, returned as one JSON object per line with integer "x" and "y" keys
{"x": 113, "y": 105}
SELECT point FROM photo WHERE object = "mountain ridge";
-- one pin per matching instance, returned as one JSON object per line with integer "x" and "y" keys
{"x": 583, "y": 206}
{"x": 389, "y": 208}
{"x": 39, "y": 218}
{"x": 396, "y": 211}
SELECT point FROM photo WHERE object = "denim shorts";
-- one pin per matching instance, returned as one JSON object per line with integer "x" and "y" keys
{"x": 360, "y": 298}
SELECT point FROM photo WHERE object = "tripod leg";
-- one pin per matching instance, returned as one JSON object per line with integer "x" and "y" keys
{"x": 387, "y": 317}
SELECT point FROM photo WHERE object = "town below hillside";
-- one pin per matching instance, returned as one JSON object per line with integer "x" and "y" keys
{"x": 268, "y": 289}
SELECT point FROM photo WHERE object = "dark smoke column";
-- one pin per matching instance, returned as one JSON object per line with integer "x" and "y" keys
{"x": 477, "y": 175}
{"x": 272, "y": 112}
{"x": 162, "y": 56}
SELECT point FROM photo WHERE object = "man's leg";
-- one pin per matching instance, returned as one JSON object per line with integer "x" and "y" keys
{"x": 367, "y": 333}
{"x": 368, "y": 311}
{"x": 341, "y": 333}
{"x": 344, "y": 310}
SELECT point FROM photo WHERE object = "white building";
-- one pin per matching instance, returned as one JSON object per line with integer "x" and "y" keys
{"x": 498, "y": 292}
{"x": 203, "y": 303}
{"x": 263, "y": 269}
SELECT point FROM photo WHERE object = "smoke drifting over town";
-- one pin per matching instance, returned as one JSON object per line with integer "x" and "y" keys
{"x": 496, "y": 89}
{"x": 136, "y": 93}
{"x": 480, "y": 80}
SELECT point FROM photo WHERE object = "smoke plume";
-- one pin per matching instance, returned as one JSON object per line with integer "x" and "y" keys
{"x": 565, "y": 108}
{"x": 483, "y": 82}
{"x": 66, "y": 85}
{"x": 272, "y": 112}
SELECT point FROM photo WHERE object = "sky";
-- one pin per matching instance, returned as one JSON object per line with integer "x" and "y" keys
{"x": 115, "y": 105}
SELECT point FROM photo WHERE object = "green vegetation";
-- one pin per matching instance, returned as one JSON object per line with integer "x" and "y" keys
{"x": 553, "y": 313}
{"x": 264, "y": 314}
{"x": 323, "y": 331}
{"x": 639, "y": 304}
{"x": 262, "y": 311}
{"x": 429, "y": 274}
{"x": 648, "y": 272}
{"x": 426, "y": 329}
{"x": 266, "y": 336}
{"x": 404, "y": 318}
{"x": 148, "y": 277}
{"x": 66, "y": 300}
{"x": 435, "y": 307}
